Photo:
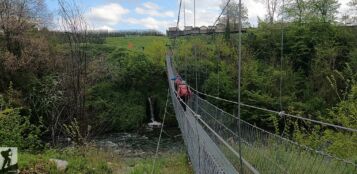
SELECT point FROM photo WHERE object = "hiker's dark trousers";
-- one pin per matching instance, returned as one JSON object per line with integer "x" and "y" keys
{"x": 183, "y": 99}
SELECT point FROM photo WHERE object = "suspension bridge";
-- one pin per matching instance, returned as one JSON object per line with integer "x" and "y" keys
{"x": 212, "y": 138}
{"x": 220, "y": 142}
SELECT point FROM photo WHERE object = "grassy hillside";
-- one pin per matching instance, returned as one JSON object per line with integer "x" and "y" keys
{"x": 134, "y": 42}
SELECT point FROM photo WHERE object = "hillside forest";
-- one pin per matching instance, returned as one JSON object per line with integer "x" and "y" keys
{"x": 80, "y": 84}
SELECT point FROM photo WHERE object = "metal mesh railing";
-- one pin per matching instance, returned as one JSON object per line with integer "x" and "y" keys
{"x": 204, "y": 154}
{"x": 211, "y": 136}
{"x": 267, "y": 152}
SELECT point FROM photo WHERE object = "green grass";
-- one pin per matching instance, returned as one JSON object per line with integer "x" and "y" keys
{"x": 94, "y": 161}
{"x": 276, "y": 159}
{"x": 137, "y": 42}
{"x": 80, "y": 160}
{"x": 168, "y": 163}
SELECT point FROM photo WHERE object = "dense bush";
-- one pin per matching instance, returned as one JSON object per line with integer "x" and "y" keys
{"x": 119, "y": 99}
{"x": 17, "y": 131}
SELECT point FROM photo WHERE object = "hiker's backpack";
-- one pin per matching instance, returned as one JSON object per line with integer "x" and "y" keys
{"x": 178, "y": 81}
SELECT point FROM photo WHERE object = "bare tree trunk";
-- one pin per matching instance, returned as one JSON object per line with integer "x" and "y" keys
{"x": 76, "y": 28}
{"x": 271, "y": 9}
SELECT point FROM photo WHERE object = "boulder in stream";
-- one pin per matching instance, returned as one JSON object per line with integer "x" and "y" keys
{"x": 60, "y": 164}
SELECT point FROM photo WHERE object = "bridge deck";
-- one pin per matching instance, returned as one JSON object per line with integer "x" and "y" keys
{"x": 204, "y": 154}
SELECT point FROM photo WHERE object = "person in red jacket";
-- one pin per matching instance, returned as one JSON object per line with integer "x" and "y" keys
{"x": 177, "y": 80}
{"x": 184, "y": 92}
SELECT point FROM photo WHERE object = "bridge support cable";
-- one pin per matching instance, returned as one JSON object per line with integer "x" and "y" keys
{"x": 277, "y": 146}
{"x": 281, "y": 67}
{"x": 291, "y": 145}
{"x": 230, "y": 131}
{"x": 214, "y": 148}
{"x": 161, "y": 130}
{"x": 212, "y": 131}
{"x": 194, "y": 13}
{"x": 239, "y": 81}
{"x": 277, "y": 112}
{"x": 285, "y": 155}
{"x": 281, "y": 57}
{"x": 184, "y": 13}
{"x": 196, "y": 104}
{"x": 177, "y": 29}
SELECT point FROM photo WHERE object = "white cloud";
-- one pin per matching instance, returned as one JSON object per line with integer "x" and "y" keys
{"x": 110, "y": 14}
{"x": 151, "y": 23}
{"x": 256, "y": 9}
{"x": 144, "y": 11}
{"x": 153, "y": 10}
{"x": 155, "y": 16}
{"x": 104, "y": 27}
{"x": 207, "y": 11}
{"x": 344, "y": 8}
{"x": 151, "y": 6}
{"x": 169, "y": 13}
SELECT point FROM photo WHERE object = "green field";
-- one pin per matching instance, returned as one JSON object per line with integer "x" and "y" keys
{"x": 134, "y": 42}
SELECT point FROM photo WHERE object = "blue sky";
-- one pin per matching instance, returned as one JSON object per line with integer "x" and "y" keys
{"x": 156, "y": 14}
{"x": 125, "y": 14}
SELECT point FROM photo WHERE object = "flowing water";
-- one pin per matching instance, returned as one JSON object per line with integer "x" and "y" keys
{"x": 143, "y": 143}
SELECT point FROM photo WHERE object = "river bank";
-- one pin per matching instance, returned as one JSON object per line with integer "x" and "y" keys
{"x": 124, "y": 153}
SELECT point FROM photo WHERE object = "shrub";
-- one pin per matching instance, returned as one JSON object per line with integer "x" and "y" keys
{"x": 17, "y": 131}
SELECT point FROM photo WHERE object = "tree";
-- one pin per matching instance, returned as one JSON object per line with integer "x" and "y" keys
{"x": 324, "y": 10}
{"x": 75, "y": 25}
{"x": 353, "y": 4}
{"x": 312, "y": 10}
{"x": 353, "y": 7}
{"x": 47, "y": 102}
{"x": 18, "y": 16}
{"x": 231, "y": 15}
{"x": 345, "y": 18}
{"x": 297, "y": 10}
{"x": 271, "y": 7}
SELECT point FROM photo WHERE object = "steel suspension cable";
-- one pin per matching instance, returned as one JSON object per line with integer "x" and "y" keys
{"x": 281, "y": 56}
{"x": 262, "y": 136}
{"x": 184, "y": 13}
{"x": 223, "y": 10}
{"x": 177, "y": 24}
{"x": 277, "y": 112}
{"x": 196, "y": 72}
{"x": 162, "y": 128}
{"x": 282, "y": 138}
{"x": 194, "y": 13}
{"x": 281, "y": 66}
{"x": 239, "y": 81}
{"x": 246, "y": 163}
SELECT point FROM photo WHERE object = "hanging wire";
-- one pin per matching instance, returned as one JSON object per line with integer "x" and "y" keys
{"x": 177, "y": 25}
{"x": 161, "y": 130}
{"x": 196, "y": 73}
{"x": 274, "y": 135}
{"x": 281, "y": 57}
{"x": 260, "y": 136}
{"x": 277, "y": 112}
{"x": 197, "y": 117}
{"x": 184, "y": 13}
{"x": 281, "y": 67}
{"x": 194, "y": 13}
{"x": 264, "y": 143}
{"x": 223, "y": 10}
{"x": 239, "y": 83}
